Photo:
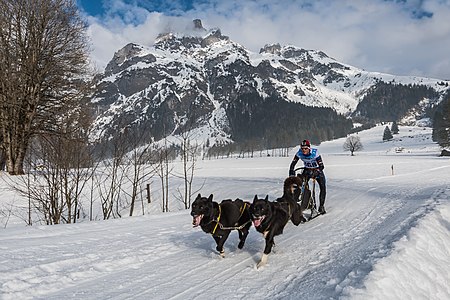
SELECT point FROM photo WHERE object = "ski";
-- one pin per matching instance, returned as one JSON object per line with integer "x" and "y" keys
{"x": 312, "y": 217}
{"x": 314, "y": 214}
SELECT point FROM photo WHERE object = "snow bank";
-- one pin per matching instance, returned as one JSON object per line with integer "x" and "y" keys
{"x": 419, "y": 266}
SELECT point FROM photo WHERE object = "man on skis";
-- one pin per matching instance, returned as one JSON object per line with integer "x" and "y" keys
{"x": 313, "y": 168}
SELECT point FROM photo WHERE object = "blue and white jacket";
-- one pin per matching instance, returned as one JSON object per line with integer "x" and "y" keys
{"x": 311, "y": 161}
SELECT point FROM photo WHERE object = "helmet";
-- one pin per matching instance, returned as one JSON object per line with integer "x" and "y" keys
{"x": 305, "y": 143}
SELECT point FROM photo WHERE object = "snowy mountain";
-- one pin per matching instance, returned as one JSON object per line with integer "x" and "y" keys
{"x": 207, "y": 82}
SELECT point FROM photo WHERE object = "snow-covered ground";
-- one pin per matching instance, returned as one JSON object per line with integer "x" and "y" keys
{"x": 385, "y": 236}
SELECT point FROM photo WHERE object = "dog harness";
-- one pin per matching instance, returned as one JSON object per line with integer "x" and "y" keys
{"x": 241, "y": 210}
{"x": 217, "y": 221}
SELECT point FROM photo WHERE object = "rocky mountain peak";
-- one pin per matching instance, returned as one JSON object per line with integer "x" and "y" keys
{"x": 194, "y": 37}
{"x": 127, "y": 53}
{"x": 130, "y": 50}
{"x": 271, "y": 48}
{"x": 198, "y": 24}
{"x": 227, "y": 92}
{"x": 213, "y": 37}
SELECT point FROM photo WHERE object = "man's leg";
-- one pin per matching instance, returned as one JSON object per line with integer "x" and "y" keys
{"x": 323, "y": 193}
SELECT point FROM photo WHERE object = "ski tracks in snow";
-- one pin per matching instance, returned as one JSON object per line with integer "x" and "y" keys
{"x": 163, "y": 257}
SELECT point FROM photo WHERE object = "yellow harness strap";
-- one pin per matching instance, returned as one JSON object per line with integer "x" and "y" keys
{"x": 218, "y": 219}
{"x": 242, "y": 209}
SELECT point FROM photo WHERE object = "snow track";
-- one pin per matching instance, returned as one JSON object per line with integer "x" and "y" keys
{"x": 163, "y": 257}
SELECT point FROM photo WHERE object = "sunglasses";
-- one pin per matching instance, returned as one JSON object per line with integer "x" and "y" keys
{"x": 305, "y": 148}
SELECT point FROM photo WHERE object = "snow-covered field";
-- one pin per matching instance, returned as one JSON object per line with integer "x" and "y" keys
{"x": 385, "y": 236}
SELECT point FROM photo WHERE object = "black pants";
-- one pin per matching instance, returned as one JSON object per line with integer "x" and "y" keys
{"x": 321, "y": 180}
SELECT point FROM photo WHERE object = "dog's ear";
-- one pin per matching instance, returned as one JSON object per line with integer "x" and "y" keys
{"x": 198, "y": 196}
{"x": 256, "y": 198}
{"x": 210, "y": 197}
{"x": 267, "y": 198}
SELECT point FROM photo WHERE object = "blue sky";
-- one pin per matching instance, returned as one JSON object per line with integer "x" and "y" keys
{"x": 401, "y": 37}
{"x": 94, "y": 8}
{"x": 170, "y": 7}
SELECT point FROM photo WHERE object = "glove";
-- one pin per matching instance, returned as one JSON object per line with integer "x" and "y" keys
{"x": 316, "y": 173}
{"x": 291, "y": 173}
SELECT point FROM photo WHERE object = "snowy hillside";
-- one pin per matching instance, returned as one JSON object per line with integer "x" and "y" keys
{"x": 206, "y": 81}
{"x": 385, "y": 236}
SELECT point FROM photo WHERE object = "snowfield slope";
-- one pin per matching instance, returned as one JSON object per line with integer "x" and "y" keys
{"x": 385, "y": 236}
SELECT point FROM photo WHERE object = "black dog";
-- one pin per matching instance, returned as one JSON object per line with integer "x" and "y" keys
{"x": 270, "y": 218}
{"x": 290, "y": 198}
{"x": 220, "y": 219}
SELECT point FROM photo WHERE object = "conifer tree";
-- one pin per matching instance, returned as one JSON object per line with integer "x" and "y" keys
{"x": 441, "y": 124}
{"x": 394, "y": 128}
{"x": 387, "y": 135}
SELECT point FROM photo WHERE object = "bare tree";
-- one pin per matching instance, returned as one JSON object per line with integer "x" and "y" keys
{"x": 43, "y": 54}
{"x": 59, "y": 167}
{"x": 353, "y": 144}
{"x": 189, "y": 154}
{"x": 109, "y": 182}
{"x": 2, "y": 155}
{"x": 161, "y": 167}
{"x": 138, "y": 159}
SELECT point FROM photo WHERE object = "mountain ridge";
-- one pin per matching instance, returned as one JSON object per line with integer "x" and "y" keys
{"x": 186, "y": 82}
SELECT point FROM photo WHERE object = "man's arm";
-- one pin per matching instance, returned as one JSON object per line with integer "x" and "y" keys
{"x": 320, "y": 163}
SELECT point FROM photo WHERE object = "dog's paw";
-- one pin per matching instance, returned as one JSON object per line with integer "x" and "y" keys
{"x": 222, "y": 254}
{"x": 263, "y": 261}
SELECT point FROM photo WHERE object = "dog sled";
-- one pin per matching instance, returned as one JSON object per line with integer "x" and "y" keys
{"x": 307, "y": 197}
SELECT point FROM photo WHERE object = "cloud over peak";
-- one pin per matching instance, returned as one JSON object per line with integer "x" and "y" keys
{"x": 407, "y": 37}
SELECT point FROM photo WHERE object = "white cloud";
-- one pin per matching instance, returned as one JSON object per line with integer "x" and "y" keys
{"x": 386, "y": 36}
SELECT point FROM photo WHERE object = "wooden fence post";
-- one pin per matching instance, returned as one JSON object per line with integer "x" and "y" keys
{"x": 149, "y": 200}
